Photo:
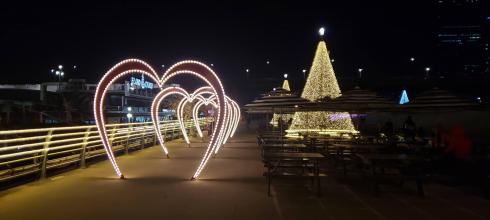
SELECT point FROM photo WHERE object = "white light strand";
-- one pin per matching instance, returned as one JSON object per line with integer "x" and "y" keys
{"x": 224, "y": 110}
{"x": 119, "y": 70}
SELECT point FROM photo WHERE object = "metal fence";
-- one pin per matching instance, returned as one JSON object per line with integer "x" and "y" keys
{"x": 37, "y": 151}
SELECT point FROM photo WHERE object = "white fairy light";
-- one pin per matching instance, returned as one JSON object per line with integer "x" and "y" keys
{"x": 224, "y": 110}
{"x": 119, "y": 70}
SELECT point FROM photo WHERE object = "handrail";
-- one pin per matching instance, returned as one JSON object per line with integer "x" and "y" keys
{"x": 31, "y": 151}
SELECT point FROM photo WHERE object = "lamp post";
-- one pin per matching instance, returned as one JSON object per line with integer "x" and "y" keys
{"x": 129, "y": 116}
{"x": 60, "y": 73}
{"x": 427, "y": 70}
{"x": 304, "y": 73}
{"x": 360, "y": 72}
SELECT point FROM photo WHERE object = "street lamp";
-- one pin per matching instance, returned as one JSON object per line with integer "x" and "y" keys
{"x": 129, "y": 116}
{"x": 321, "y": 31}
{"x": 427, "y": 69}
{"x": 412, "y": 59}
{"x": 285, "y": 75}
{"x": 360, "y": 72}
{"x": 60, "y": 73}
{"x": 247, "y": 70}
{"x": 304, "y": 73}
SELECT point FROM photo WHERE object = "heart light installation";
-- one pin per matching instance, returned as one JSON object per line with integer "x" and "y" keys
{"x": 231, "y": 120}
{"x": 194, "y": 68}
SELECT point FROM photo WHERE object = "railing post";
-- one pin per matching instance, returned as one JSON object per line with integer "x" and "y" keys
{"x": 126, "y": 146}
{"x": 165, "y": 132}
{"x": 84, "y": 148}
{"x": 143, "y": 141}
{"x": 154, "y": 136}
{"x": 45, "y": 154}
{"x": 173, "y": 132}
{"x": 112, "y": 134}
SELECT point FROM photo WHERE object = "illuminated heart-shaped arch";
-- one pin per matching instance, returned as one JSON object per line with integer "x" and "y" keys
{"x": 121, "y": 69}
{"x": 185, "y": 67}
{"x": 154, "y": 110}
{"x": 180, "y": 108}
{"x": 237, "y": 117}
{"x": 195, "y": 112}
{"x": 209, "y": 76}
{"x": 231, "y": 121}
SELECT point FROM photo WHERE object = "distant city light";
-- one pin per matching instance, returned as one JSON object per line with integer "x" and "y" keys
{"x": 52, "y": 70}
{"x": 247, "y": 70}
{"x": 268, "y": 62}
{"x": 212, "y": 64}
{"x": 304, "y": 71}
{"x": 74, "y": 66}
{"x": 285, "y": 75}
{"x": 57, "y": 72}
{"x": 129, "y": 109}
{"x": 360, "y": 70}
{"x": 129, "y": 115}
{"x": 163, "y": 65}
{"x": 333, "y": 60}
{"x": 321, "y": 31}
{"x": 427, "y": 69}
{"x": 412, "y": 59}
{"x": 60, "y": 67}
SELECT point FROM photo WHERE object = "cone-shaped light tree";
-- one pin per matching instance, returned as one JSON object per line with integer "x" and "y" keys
{"x": 404, "y": 98}
{"x": 285, "y": 83}
{"x": 321, "y": 84}
{"x": 284, "y": 117}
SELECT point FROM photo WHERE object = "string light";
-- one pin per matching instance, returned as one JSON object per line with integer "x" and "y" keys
{"x": 404, "y": 98}
{"x": 285, "y": 85}
{"x": 184, "y": 67}
{"x": 209, "y": 76}
{"x": 321, "y": 84}
{"x": 155, "y": 113}
{"x": 121, "y": 69}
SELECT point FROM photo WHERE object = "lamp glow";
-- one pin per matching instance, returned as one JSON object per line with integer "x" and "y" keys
{"x": 321, "y": 31}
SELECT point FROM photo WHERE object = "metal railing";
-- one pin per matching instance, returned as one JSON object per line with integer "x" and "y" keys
{"x": 37, "y": 151}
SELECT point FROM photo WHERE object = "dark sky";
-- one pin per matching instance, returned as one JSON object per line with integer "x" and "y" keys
{"x": 379, "y": 36}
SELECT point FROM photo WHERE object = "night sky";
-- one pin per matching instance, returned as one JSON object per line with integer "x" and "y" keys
{"x": 377, "y": 36}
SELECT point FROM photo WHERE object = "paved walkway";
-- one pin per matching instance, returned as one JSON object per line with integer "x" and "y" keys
{"x": 231, "y": 187}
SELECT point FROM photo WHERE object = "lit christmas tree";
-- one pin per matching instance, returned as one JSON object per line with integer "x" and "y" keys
{"x": 321, "y": 84}
{"x": 404, "y": 98}
{"x": 285, "y": 84}
{"x": 284, "y": 117}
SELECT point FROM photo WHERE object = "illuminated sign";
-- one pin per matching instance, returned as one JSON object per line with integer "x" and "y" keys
{"x": 141, "y": 83}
